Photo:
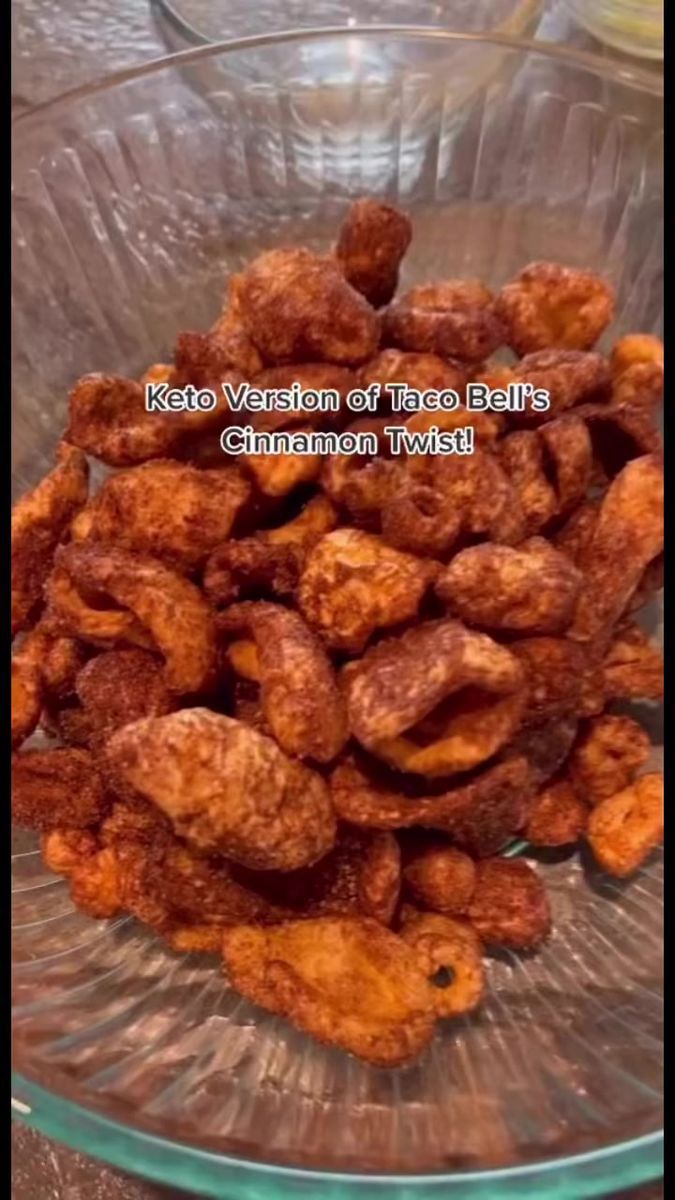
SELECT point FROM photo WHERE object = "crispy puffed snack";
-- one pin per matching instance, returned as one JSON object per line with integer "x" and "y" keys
{"x": 69, "y": 614}
{"x": 618, "y": 433}
{"x": 360, "y": 876}
{"x": 549, "y": 305}
{"x": 311, "y": 377}
{"x": 170, "y": 607}
{"x": 121, "y": 686}
{"x": 348, "y": 981}
{"x": 443, "y": 944}
{"x": 545, "y": 746}
{"x": 27, "y": 697}
{"x": 531, "y": 589}
{"x": 627, "y": 535}
{"x": 372, "y": 241}
{"x": 109, "y": 420}
{"x": 227, "y": 789}
{"x": 353, "y": 584}
{"x": 207, "y": 360}
{"x": 607, "y": 756}
{"x": 300, "y": 697}
{"x": 167, "y": 509}
{"x": 280, "y": 474}
{"x": 440, "y": 877}
{"x": 480, "y": 815}
{"x": 242, "y": 655}
{"x": 453, "y": 318}
{"x": 557, "y": 817}
{"x": 297, "y": 306}
{"x": 577, "y": 530}
{"x": 423, "y": 372}
{"x": 96, "y": 885}
{"x": 523, "y": 459}
{"x": 561, "y": 679}
{"x": 57, "y": 789}
{"x": 571, "y": 377}
{"x": 318, "y": 516}
{"x": 651, "y": 582}
{"x": 252, "y": 567}
{"x": 640, "y": 386}
{"x": 39, "y": 520}
{"x": 568, "y": 458}
{"x": 509, "y": 906}
{"x": 65, "y": 849}
{"x": 634, "y": 349}
{"x": 44, "y": 669}
{"x": 361, "y": 485}
{"x": 623, "y": 829}
{"x": 633, "y": 666}
{"x": 437, "y": 700}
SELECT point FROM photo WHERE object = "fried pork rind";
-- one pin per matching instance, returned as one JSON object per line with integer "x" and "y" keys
{"x": 453, "y": 319}
{"x": 167, "y": 509}
{"x": 570, "y": 377}
{"x": 252, "y": 567}
{"x": 437, "y": 700}
{"x": 58, "y": 788}
{"x": 441, "y": 877}
{"x": 65, "y": 849}
{"x": 361, "y": 486}
{"x": 545, "y": 746}
{"x": 310, "y": 376}
{"x": 627, "y": 535}
{"x": 353, "y": 584}
{"x": 121, "y": 686}
{"x": 360, "y": 876}
{"x": 624, "y": 828}
{"x": 421, "y": 371}
{"x": 109, "y": 420}
{"x": 226, "y": 354}
{"x": 522, "y": 458}
{"x": 443, "y": 944}
{"x": 299, "y": 692}
{"x": 280, "y": 474}
{"x": 480, "y": 815}
{"x": 43, "y": 669}
{"x": 69, "y": 614}
{"x": 509, "y": 906}
{"x": 568, "y": 455}
{"x": 573, "y": 536}
{"x": 557, "y": 817}
{"x": 317, "y": 517}
{"x": 27, "y": 695}
{"x": 633, "y": 668}
{"x": 371, "y": 243}
{"x": 227, "y": 789}
{"x": 561, "y": 679}
{"x": 171, "y": 608}
{"x": 549, "y": 305}
{"x": 607, "y": 756}
{"x": 39, "y": 520}
{"x": 619, "y": 433}
{"x": 348, "y": 981}
{"x": 532, "y": 589}
{"x": 636, "y": 363}
{"x": 297, "y": 306}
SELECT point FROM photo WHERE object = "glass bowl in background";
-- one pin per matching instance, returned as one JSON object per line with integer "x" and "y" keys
{"x": 133, "y": 201}
{"x": 633, "y": 26}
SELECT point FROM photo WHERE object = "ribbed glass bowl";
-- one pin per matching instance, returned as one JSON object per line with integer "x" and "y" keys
{"x": 133, "y": 201}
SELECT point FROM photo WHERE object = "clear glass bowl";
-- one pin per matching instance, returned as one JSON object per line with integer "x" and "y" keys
{"x": 632, "y": 26}
{"x": 133, "y": 200}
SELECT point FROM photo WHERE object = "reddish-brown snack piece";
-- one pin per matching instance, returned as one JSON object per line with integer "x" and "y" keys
{"x": 634, "y": 349}
{"x": 109, "y": 420}
{"x": 618, "y": 433}
{"x": 633, "y": 667}
{"x": 300, "y": 697}
{"x": 318, "y": 516}
{"x": 298, "y": 307}
{"x": 573, "y": 536}
{"x": 607, "y": 756}
{"x": 441, "y": 877}
{"x": 627, "y": 535}
{"x": 280, "y": 474}
{"x": 545, "y": 745}
{"x": 68, "y": 614}
{"x": 522, "y": 457}
{"x": 206, "y": 360}
{"x": 353, "y": 584}
{"x": 316, "y": 377}
{"x": 252, "y": 567}
{"x": 423, "y": 372}
{"x": 443, "y": 944}
{"x": 549, "y": 305}
{"x": 623, "y": 829}
{"x": 65, "y": 849}
{"x": 361, "y": 484}
{"x": 568, "y": 455}
{"x": 571, "y": 377}
{"x": 454, "y": 318}
{"x": 509, "y": 906}
{"x": 348, "y": 981}
{"x": 561, "y": 679}
{"x": 121, "y": 686}
{"x": 557, "y": 816}
{"x": 43, "y": 669}
{"x": 56, "y": 788}
{"x": 532, "y": 589}
{"x": 227, "y": 789}
{"x": 27, "y": 695}
{"x": 39, "y": 521}
{"x": 372, "y": 241}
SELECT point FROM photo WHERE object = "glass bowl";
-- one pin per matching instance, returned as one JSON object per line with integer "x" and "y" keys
{"x": 133, "y": 200}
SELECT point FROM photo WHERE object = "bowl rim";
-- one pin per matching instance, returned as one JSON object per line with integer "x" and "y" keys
{"x": 626, "y": 1163}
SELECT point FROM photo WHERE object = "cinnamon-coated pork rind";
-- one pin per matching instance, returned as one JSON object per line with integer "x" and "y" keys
{"x": 281, "y": 474}
{"x": 372, "y": 241}
{"x": 353, "y": 584}
{"x": 632, "y": 668}
{"x": 532, "y": 589}
{"x": 63, "y": 850}
{"x": 360, "y": 486}
{"x": 318, "y": 516}
{"x": 437, "y": 700}
{"x": 568, "y": 458}
{"x": 56, "y": 788}
{"x": 109, "y": 420}
{"x": 619, "y": 433}
{"x": 252, "y": 567}
{"x": 226, "y": 354}
{"x": 557, "y": 816}
{"x": 228, "y": 335}
{"x": 633, "y": 349}
{"x": 69, "y": 614}
{"x": 454, "y": 318}
{"x": 549, "y": 305}
{"x": 570, "y": 377}
{"x": 561, "y": 678}
{"x": 509, "y": 906}
{"x": 627, "y": 535}
{"x": 443, "y": 944}
{"x": 623, "y": 829}
{"x": 27, "y": 695}
{"x": 311, "y": 376}
{"x": 170, "y": 607}
{"x": 440, "y": 877}
{"x": 424, "y": 372}
{"x": 347, "y": 981}
{"x": 523, "y": 459}
{"x": 607, "y": 756}
{"x": 297, "y": 306}
{"x": 227, "y": 789}
{"x": 44, "y": 669}
{"x": 299, "y": 692}
{"x": 480, "y": 815}
{"x": 651, "y": 582}
{"x": 640, "y": 386}
{"x": 545, "y": 746}
{"x": 167, "y": 509}
{"x": 121, "y": 686}
{"x": 39, "y": 521}
{"x": 360, "y": 876}
{"x": 573, "y": 536}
